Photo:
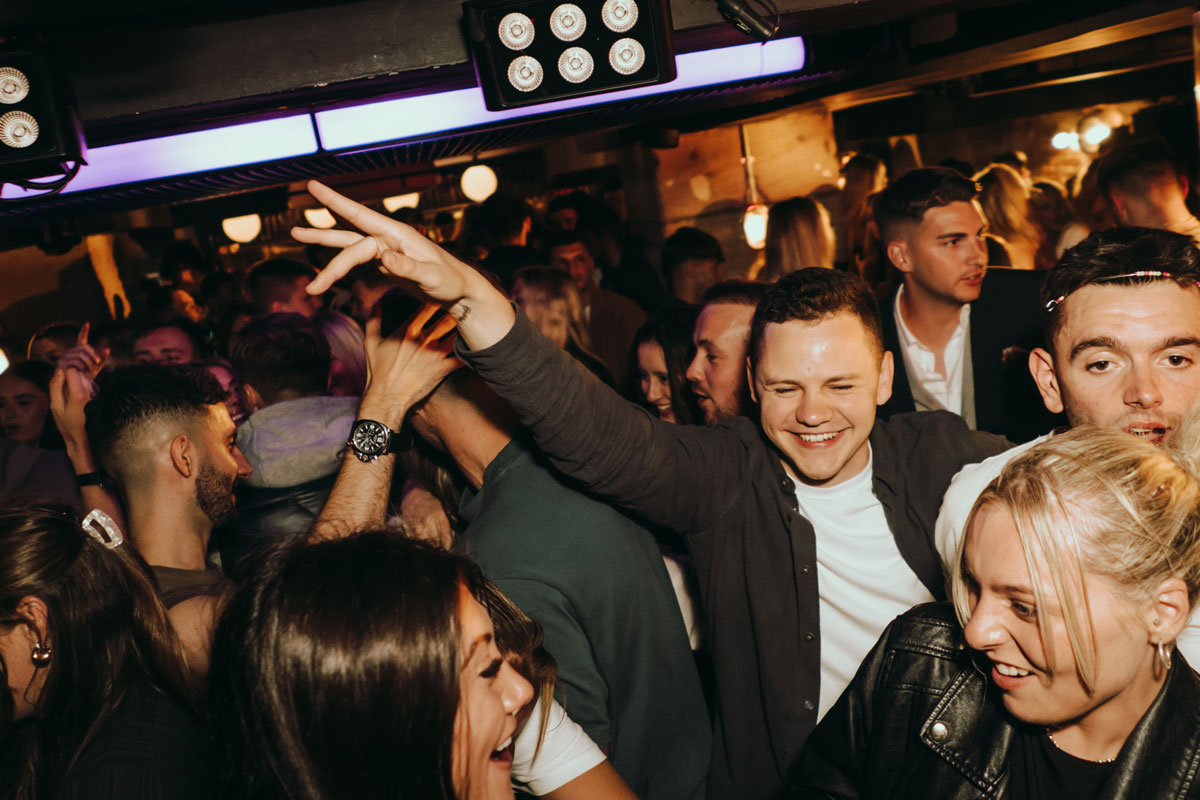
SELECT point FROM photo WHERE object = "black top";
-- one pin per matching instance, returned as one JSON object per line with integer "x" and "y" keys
{"x": 725, "y": 489}
{"x": 1040, "y": 771}
{"x": 150, "y": 748}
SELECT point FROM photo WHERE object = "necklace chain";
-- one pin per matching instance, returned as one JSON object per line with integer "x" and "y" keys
{"x": 1058, "y": 747}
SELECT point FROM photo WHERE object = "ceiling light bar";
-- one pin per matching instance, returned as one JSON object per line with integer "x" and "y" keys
{"x": 187, "y": 153}
{"x": 412, "y": 117}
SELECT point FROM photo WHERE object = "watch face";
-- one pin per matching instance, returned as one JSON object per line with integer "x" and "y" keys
{"x": 370, "y": 437}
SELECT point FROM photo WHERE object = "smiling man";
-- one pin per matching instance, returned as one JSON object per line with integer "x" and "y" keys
{"x": 959, "y": 331}
{"x": 1122, "y": 320}
{"x": 791, "y": 605}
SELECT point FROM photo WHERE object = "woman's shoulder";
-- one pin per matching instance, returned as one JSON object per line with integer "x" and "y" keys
{"x": 151, "y": 746}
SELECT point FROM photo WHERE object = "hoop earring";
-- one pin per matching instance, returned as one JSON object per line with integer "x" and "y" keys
{"x": 1164, "y": 656}
{"x": 40, "y": 656}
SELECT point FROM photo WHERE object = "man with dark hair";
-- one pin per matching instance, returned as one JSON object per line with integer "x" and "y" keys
{"x": 613, "y": 320}
{"x": 165, "y": 437}
{"x": 592, "y": 577}
{"x": 277, "y": 284}
{"x": 819, "y": 490}
{"x": 1148, "y": 187}
{"x": 571, "y": 211}
{"x": 507, "y": 222}
{"x": 691, "y": 263}
{"x": 176, "y": 342}
{"x": 953, "y": 325}
{"x": 367, "y": 285}
{"x": 718, "y": 370}
{"x": 295, "y": 435}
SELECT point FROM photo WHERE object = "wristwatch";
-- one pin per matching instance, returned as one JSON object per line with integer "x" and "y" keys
{"x": 370, "y": 439}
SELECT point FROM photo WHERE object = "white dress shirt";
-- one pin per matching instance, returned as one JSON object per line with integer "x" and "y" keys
{"x": 921, "y": 362}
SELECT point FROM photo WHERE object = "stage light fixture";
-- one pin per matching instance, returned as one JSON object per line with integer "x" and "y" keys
{"x": 40, "y": 135}
{"x": 537, "y": 51}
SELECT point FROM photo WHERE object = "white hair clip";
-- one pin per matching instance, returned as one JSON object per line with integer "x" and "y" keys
{"x": 100, "y": 526}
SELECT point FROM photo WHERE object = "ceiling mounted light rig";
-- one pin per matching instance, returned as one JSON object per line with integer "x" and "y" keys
{"x": 535, "y": 51}
{"x": 40, "y": 135}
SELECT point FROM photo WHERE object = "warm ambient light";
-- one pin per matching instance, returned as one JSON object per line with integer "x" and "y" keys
{"x": 319, "y": 218}
{"x": 243, "y": 229}
{"x": 1097, "y": 133}
{"x": 1065, "y": 140}
{"x": 3, "y": 361}
{"x": 409, "y": 200}
{"x": 479, "y": 182}
{"x": 754, "y": 226}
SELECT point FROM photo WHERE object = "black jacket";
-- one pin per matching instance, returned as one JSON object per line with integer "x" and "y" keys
{"x": 725, "y": 489}
{"x": 1006, "y": 323}
{"x": 880, "y": 740}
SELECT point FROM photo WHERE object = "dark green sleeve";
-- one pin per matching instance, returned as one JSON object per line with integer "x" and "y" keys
{"x": 581, "y": 688}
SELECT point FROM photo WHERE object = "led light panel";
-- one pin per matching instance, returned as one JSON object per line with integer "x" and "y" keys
{"x": 412, "y": 117}
{"x": 575, "y": 45}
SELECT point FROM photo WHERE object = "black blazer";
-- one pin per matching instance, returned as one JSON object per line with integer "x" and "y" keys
{"x": 1006, "y": 323}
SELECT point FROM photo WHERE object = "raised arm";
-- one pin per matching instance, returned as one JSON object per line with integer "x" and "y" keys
{"x": 70, "y": 390}
{"x": 401, "y": 370}
{"x": 678, "y": 476}
{"x": 483, "y": 313}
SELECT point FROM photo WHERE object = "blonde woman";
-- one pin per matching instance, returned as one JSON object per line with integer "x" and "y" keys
{"x": 549, "y": 298}
{"x": 865, "y": 176}
{"x": 1004, "y": 196}
{"x": 799, "y": 235}
{"x": 1053, "y": 674}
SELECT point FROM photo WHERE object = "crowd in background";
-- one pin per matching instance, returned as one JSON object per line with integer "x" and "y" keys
{"x": 272, "y": 539}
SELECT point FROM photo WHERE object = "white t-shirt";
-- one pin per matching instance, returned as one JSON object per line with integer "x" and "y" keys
{"x": 921, "y": 362}
{"x": 960, "y": 498}
{"x": 862, "y": 580}
{"x": 566, "y": 753}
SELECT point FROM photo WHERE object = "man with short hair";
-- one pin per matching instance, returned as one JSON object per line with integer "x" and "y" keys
{"x": 955, "y": 327}
{"x": 52, "y": 341}
{"x": 691, "y": 263}
{"x": 295, "y": 435}
{"x": 821, "y": 490}
{"x": 1122, "y": 325}
{"x": 722, "y": 334}
{"x": 165, "y": 437}
{"x": 167, "y": 343}
{"x": 1148, "y": 187}
{"x": 507, "y": 221}
{"x": 612, "y": 319}
{"x": 277, "y": 284}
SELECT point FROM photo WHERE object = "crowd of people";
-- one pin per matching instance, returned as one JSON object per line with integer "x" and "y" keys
{"x": 515, "y": 505}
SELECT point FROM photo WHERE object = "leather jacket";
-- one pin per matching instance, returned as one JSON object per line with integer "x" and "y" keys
{"x": 921, "y": 720}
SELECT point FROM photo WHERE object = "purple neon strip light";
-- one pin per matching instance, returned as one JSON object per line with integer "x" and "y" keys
{"x": 409, "y": 117}
{"x": 186, "y": 153}
{"x": 388, "y": 120}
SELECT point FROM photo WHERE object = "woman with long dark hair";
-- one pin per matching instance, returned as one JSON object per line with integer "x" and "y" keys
{"x": 25, "y": 405}
{"x": 662, "y": 351}
{"x": 98, "y": 704}
{"x": 1054, "y": 673}
{"x": 363, "y": 667}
